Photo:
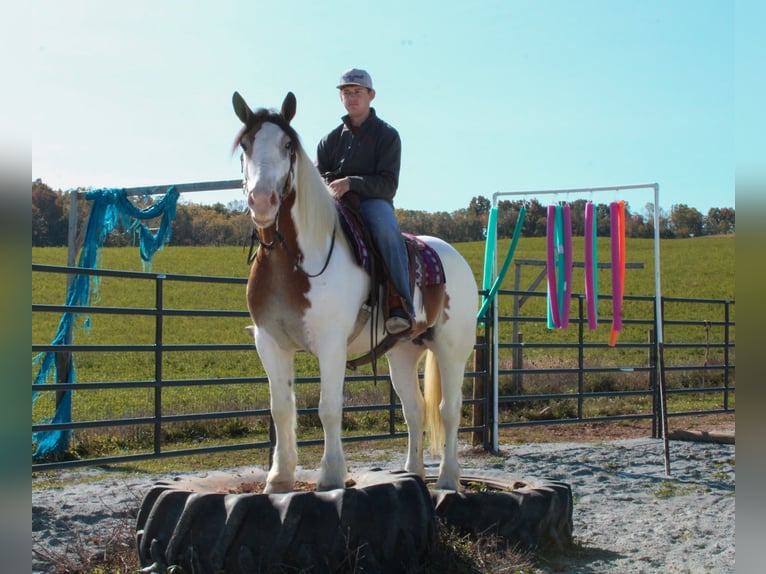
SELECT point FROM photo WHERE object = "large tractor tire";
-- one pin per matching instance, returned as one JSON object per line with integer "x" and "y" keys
{"x": 533, "y": 517}
{"x": 380, "y": 528}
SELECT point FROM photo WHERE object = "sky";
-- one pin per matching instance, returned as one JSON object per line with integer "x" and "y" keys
{"x": 488, "y": 96}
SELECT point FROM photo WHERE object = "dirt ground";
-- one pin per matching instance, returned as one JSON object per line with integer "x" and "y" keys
{"x": 598, "y": 431}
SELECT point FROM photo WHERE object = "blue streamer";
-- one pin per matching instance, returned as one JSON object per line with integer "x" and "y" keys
{"x": 111, "y": 208}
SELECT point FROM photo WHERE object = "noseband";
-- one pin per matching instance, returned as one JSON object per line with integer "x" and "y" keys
{"x": 287, "y": 188}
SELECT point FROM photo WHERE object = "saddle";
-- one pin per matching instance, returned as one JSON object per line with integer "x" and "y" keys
{"x": 426, "y": 270}
{"x": 425, "y": 265}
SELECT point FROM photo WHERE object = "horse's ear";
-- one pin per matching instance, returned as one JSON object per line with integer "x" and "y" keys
{"x": 288, "y": 107}
{"x": 240, "y": 107}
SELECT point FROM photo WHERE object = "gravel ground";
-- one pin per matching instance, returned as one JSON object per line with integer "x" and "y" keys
{"x": 629, "y": 516}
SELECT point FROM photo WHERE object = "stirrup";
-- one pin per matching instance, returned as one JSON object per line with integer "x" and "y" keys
{"x": 398, "y": 322}
{"x": 396, "y": 325}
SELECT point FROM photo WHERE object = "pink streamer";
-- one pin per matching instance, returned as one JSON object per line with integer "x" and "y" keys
{"x": 566, "y": 303}
{"x": 590, "y": 294}
{"x": 551, "y": 262}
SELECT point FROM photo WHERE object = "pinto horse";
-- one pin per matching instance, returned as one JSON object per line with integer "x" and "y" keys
{"x": 307, "y": 292}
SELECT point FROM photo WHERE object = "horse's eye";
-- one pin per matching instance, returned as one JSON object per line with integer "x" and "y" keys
{"x": 289, "y": 145}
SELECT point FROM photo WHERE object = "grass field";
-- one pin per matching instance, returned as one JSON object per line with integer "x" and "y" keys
{"x": 700, "y": 268}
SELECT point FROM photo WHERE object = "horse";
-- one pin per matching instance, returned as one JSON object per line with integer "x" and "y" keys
{"x": 307, "y": 292}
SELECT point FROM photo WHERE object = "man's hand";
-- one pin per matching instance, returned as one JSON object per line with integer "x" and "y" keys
{"x": 340, "y": 186}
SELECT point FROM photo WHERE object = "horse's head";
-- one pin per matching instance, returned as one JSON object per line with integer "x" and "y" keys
{"x": 269, "y": 146}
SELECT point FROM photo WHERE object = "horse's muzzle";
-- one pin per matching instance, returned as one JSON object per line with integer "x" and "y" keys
{"x": 263, "y": 207}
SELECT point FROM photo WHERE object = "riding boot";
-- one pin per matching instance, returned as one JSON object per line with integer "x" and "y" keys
{"x": 398, "y": 321}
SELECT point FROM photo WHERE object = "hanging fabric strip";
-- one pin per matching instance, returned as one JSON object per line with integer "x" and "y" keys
{"x": 499, "y": 280}
{"x": 595, "y": 262}
{"x": 617, "y": 230}
{"x": 110, "y": 208}
{"x": 553, "y": 308}
{"x": 591, "y": 268}
{"x": 560, "y": 263}
{"x": 489, "y": 251}
{"x": 621, "y": 217}
{"x": 565, "y": 303}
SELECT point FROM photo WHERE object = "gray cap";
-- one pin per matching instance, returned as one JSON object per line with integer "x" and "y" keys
{"x": 355, "y": 77}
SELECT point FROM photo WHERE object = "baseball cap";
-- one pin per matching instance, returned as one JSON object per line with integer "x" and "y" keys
{"x": 355, "y": 77}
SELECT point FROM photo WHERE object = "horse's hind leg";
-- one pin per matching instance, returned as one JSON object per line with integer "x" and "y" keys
{"x": 278, "y": 364}
{"x": 452, "y": 373}
{"x": 403, "y": 362}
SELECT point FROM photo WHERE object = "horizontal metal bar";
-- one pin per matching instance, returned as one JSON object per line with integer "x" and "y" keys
{"x": 180, "y": 188}
{"x": 85, "y": 310}
{"x": 573, "y": 396}
{"x": 576, "y": 420}
{"x": 698, "y": 367}
{"x": 95, "y": 386}
{"x": 44, "y": 268}
{"x": 92, "y": 424}
{"x": 578, "y": 190}
{"x": 100, "y": 385}
{"x": 525, "y": 345}
{"x": 140, "y": 348}
{"x": 671, "y": 322}
{"x": 574, "y": 370}
{"x": 147, "y": 456}
{"x": 701, "y": 390}
{"x": 88, "y": 310}
{"x": 600, "y": 264}
{"x": 213, "y": 415}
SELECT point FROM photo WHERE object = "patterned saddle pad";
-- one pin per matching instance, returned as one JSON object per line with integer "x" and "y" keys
{"x": 425, "y": 264}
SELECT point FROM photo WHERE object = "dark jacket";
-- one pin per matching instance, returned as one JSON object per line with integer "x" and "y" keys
{"x": 370, "y": 157}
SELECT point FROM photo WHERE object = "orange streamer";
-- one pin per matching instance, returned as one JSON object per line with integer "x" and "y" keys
{"x": 617, "y": 212}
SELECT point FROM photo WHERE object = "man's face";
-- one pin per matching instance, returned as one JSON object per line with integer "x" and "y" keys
{"x": 356, "y": 99}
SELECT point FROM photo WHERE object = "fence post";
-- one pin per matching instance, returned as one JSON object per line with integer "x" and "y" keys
{"x": 652, "y": 359}
{"x": 158, "y": 295}
{"x": 479, "y": 384}
{"x": 64, "y": 358}
{"x": 580, "y": 355}
{"x": 726, "y": 356}
{"x": 516, "y": 335}
{"x": 518, "y": 364}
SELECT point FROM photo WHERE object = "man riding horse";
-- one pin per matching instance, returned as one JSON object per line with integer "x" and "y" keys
{"x": 362, "y": 156}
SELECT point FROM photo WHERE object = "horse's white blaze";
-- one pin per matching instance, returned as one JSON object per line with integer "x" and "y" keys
{"x": 330, "y": 304}
{"x": 265, "y": 172}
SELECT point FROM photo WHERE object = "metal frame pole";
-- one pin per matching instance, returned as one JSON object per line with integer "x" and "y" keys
{"x": 657, "y": 297}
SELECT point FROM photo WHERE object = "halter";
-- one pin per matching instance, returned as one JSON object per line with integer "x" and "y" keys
{"x": 287, "y": 188}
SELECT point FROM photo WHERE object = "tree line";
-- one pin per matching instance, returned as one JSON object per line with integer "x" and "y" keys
{"x": 229, "y": 224}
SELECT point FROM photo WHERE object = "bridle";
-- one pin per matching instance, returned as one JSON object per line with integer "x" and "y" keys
{"x": 287, "y": 189}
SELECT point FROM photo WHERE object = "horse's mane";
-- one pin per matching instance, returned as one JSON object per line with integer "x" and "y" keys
{"x": 314, "y": 211}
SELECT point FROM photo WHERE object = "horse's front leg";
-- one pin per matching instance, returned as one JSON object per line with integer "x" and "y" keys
{"x": 278, "y": 364}
{"x": 332, "y": 367}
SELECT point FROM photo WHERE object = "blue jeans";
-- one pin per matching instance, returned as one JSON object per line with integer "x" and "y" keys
{"x": 380, "y": 217}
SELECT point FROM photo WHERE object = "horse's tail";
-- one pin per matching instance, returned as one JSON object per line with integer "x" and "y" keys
{"x": 432, "y": 392}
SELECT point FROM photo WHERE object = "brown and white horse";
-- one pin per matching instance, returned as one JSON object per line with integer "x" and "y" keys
{"x": 306, "y": 292}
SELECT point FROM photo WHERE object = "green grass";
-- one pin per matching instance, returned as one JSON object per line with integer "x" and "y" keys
{"x": 700, "y": 268}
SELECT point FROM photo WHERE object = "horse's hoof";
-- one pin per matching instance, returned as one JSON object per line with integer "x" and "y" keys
{"x": 325, "y": 486}
{"x": 278, "y": 487}
{"x": 447, "y": 485}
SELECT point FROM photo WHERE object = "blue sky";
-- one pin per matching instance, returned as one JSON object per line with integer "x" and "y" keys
{"x": 488, "y": 96}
